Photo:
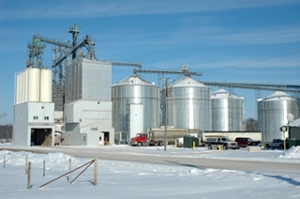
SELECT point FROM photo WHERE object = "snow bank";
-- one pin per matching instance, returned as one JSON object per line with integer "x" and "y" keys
{"x": 117, "y": 179}
{"x": 51, "y": 159}
{"x": 293, "y": 152}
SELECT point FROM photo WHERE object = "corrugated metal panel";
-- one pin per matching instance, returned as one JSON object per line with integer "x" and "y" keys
{"x": 187, "y": 82}
{"x": 273, "y": 113}
{"x": 134, "y": 80}
{"x": 39, "y": 112}
{"x": 189, "y": 105}
{"x": 135, "y": 90}
{"x": 227, "y": 111}
{"x": 88, "y": 80}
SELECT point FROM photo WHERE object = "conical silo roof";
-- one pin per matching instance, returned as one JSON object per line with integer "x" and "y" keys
{"x": 134, "y": 80}
{"x": 187, "y": 82}
{"x": 278, "y": 95}
{"x": 223, "y": 94}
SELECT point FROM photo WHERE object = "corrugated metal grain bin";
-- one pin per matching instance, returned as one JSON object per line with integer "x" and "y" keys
{"x": 189, "y": 105}
{"x": 134, "y": 90}
{"x": 227, "y": 111}
{"x": 273, "y": 112}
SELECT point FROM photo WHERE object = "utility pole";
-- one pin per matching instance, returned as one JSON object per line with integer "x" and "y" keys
{"x": 166, "y": 108}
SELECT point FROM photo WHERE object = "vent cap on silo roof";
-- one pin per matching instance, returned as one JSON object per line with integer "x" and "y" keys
{"x": 221, "y": 93}
{"x": 134, "y": 80}
{"x": 278, "y": 95}
{"x": 187, "y": 82}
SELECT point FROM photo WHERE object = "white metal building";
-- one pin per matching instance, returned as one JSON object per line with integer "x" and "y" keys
{"x": 88, "y": 108}
{"x": 33, "y": 110}
{"x": 34, "y": 124}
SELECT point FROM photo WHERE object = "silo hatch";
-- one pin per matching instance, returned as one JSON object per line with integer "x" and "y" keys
{"x": 41, "y": 137}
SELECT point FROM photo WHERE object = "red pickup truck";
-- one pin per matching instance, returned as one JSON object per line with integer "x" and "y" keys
{"x": 245, "y": 141}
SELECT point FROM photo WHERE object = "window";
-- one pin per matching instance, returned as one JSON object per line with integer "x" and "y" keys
{"x": 46, "y": 118}
{"x": 35, "y": 117}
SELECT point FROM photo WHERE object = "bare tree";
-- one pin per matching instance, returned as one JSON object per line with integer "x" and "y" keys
{"x": 3, "y": 115}
{"x": 251, "y": 124}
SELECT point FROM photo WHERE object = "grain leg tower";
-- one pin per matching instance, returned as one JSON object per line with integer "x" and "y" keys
{"x": 88, "y": 106}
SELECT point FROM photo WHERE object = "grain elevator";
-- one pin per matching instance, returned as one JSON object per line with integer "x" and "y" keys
{"x": 34, "y": 110}
{"x": 74, "y": 102}
{"x": 87, "y": 110}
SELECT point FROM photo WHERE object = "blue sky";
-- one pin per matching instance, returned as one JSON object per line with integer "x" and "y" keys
{"x": 248, "y": 41}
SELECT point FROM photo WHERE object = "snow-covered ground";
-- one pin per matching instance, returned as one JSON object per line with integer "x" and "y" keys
{"x": 118, "y": 179}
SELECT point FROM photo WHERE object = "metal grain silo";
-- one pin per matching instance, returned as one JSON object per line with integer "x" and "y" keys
{"x": 189, "y": 105}
{"x": 132, "y": 91}
{"x": 273, "y": 113}
{"x": 227, "y": 111}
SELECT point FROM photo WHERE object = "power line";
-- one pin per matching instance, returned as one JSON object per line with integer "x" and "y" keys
{"x": 20, "y": 58}
{"x": 242, "y": 64}
{"x": 108, "y": 12}
{"x": 28, "y": 22}
{"x": 101, "y": 16}
{"x": 34, "y": 18}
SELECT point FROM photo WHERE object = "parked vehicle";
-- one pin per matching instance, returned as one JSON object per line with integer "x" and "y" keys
{"x": 277, "y": 143}
{"x": 153, "y": 139}
{"x": 156, "y": 137}
{"x": 179, "y": 142}
{"x": 226, "y": 143}
{"x": 246, "y": 141}
{"x": 141, "y": 139}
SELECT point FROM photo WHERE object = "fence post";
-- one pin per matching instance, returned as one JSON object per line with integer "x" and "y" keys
{"x": 29, "y": 175}
{"x": 44, "y": 165}
{"x": 26, "y": 164}
{"x": 96, "y": 172}
{"x": 70, "y": 168}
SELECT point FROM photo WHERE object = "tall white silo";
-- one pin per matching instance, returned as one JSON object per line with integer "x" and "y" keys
{"x": 273, "y": 112}
{"x": 189, "y": 105}
{"x": 25, "y": 86}
{"x": 130, "y": 91}
{"x": 227, "y": 111}
{"x": 33, "y": 92}
{"x": 18, "y": 89}
{"x": 46, "y": 85}
{"x": 22, "y": 90}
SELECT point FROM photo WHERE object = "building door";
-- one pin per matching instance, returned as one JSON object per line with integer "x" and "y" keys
{"x": 106, "y": 138}
{"x": 41, "y": 137}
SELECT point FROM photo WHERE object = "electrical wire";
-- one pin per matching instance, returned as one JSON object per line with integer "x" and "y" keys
{"x": 19, "y": 59}
{"x": 107, "y": 13}
{"x": 101, "y": 16}
{"x": 28, "y": 22}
